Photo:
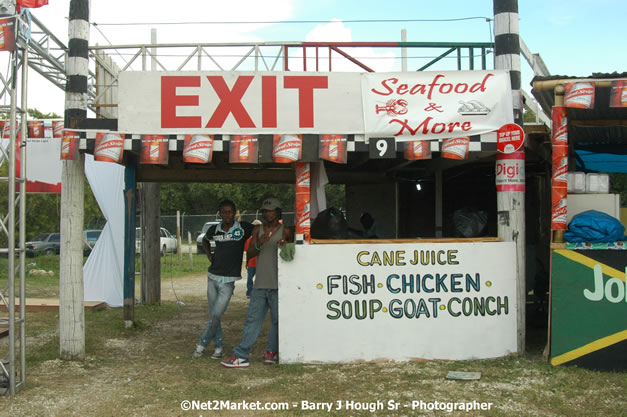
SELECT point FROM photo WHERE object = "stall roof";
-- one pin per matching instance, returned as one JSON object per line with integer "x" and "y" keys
{"x": 600, "y": 130}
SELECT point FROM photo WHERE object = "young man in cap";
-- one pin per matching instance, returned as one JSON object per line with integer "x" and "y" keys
{"x": 266, "y": 238}
{"x": 226, "y": 268}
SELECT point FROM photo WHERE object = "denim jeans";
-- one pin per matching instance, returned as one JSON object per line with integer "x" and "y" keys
{"x": 260, "y": 301}
{"x": 218, "y": 297}
{"x": 249, "y": 284}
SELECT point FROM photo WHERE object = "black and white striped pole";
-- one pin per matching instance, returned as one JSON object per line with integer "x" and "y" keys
{"x": 511, "y": 203}
{"x": 71, "y": 292}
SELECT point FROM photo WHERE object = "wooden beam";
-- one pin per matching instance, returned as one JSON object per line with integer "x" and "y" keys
{"x": 597, "y": 123}
{"x": 154, "y": 173}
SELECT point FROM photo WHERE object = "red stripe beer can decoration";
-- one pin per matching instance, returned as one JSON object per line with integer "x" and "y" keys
{"x": 154, "y": 150}
{"x": 57, "y": 128}
{"x": 417, "y": 149}
{"x": 109, "y": 147}
{"x": 579, "y": 95}
{"x": 243, "y": 149}
{"x": 287, "y": 148}
{"x": 618, "y": 94}
{"x": 69, "y": 145}
{"x": 455, "y": 148}
{"x": 559, "y": 220}
{"x": 36, "y": 129}
{"x": 560, "y": 126}
{"x": 198, "y": 149}
{"x": 303, "y": 200}
{"x": 333, "y": 148}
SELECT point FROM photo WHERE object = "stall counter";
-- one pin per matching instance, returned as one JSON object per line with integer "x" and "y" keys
{"x": 345, "y": 301}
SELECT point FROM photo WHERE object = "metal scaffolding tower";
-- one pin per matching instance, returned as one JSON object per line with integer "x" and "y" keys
{"x": 13, "y": 364}
{"x": 37, "y": 48}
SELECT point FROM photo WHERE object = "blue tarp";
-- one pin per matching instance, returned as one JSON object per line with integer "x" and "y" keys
{"x": 602, "y": 162}
{"x": 593, "y": 226}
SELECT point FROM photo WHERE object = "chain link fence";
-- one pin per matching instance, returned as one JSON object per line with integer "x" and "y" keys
{"x": 193, "y": 222}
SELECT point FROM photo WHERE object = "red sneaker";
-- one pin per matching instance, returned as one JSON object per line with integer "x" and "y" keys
{"x": 270, "y": 358}
{"x": 235, "y": 362}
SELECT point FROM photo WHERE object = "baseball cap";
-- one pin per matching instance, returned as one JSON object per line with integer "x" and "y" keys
{"x": 271, "y": 203}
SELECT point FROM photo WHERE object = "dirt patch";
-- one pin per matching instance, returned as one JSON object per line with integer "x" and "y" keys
{"x": 149, "y": 372}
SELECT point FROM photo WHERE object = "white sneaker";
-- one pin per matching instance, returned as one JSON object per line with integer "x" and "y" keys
{"x": 217, "y": 353}
{"x": 200, "y": 350}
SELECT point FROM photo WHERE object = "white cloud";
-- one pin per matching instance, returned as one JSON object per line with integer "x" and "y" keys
{"x": 380, "y": 60}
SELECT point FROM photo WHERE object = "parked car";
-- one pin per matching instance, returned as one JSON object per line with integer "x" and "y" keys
{"x": 90, "y": 237}
{"x": 199, "y": 247}
{"x": 44, "y": 244}
{"x": 167, "y": 242}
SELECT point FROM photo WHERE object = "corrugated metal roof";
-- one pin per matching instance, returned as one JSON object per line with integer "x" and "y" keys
{"x": 600, "y": 129}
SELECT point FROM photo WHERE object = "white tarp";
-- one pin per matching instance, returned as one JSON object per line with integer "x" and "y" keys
{"x": 103, "y": 273}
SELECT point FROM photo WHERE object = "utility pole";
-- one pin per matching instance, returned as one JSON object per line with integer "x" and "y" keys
{"x": 511, "y": 204}
{"x": 71, "y": 292}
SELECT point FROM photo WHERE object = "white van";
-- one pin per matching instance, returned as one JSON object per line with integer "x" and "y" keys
{"x": 167, "y": 242}
{"x": 205, "y": 227}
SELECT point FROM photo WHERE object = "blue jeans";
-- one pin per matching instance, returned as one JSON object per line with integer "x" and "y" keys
{"x": 260, "y": 301}
{"x": 249, "y": 284}
{"x": 218, "y": 297}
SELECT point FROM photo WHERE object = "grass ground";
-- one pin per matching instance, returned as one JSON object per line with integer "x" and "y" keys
{"x": 148, "y": 371}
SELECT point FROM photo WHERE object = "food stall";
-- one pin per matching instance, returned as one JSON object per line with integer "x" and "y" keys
{"x": 588, "y": 322}
{"x": 420, "y": 290}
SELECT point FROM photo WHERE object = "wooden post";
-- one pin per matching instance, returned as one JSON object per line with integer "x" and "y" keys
{"x": 511, "y": 204}
{"x": 151, "y": 253}
{"x": 130, "y": 196}
{"x": 71, "y": 292}
{"x": 150, "y": 212}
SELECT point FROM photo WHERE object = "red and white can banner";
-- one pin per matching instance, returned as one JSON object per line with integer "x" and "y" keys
{"x": 579, "y": 95}
{"x": 154, "y": 150}
{"x": 198, "y": 149}
{"x": 6, "y": 129}
{"x": 417, "y": 149}
{"x": 36, "y": 129}
{"x": 243, "y": 149}
{"x": 69, "y": 145}
{"x": 7, "y": 34}
{"x": 333, "y": 148}
{"x": 455, "y": 148}
{"x": 510, "y": 172}
{"x": 303, "y": 200}
{"x": 303, "y": 178}
{"x": 618, "y": 95}
{"x": 287, "y": 148}
{"x": 559, "y": 220}
{"x": 560, "y": 167}
{"x": 57, "y": 128}
{"x": 109, "y": 147}
{"x": 560, "y": 126}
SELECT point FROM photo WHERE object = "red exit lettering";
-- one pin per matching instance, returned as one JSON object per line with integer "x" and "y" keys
{"x": 231, "y": 100}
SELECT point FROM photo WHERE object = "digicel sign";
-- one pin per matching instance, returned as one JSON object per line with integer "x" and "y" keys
{"x": 230, "y": 100}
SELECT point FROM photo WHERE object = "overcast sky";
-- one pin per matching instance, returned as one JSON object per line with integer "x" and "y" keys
{"x": 574, "y": 38}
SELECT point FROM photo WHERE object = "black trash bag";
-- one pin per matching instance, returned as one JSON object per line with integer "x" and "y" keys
{"x": 469, "y": 222}
{"x": 330, "y": 224}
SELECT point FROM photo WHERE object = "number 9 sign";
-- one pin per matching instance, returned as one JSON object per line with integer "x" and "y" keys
{"x": 382, "y": 148}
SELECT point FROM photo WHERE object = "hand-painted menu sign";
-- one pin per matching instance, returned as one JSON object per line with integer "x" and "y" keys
{"x": 398, "y": 301}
